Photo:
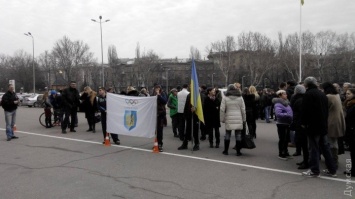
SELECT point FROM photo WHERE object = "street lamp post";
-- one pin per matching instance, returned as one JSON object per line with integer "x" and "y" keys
{"x": 33, "y": 60}
{"x": 243, "y": 82}
{"x": 102, "y": 53}
{"x": 212, "y": 79}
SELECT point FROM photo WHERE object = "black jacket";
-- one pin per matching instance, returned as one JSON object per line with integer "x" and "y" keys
{"x": 350, "y": 123}
{"x": 296, "y": 105}
{"x": 250, "y": 107}
{"x": 315, "y": 111}
{"x": 211, "y": 112}
{"x": 70, "y": 98}
{"x": 7, "y": 101}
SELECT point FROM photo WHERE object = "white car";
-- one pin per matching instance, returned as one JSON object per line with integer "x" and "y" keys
{"x": 31, "y": 100}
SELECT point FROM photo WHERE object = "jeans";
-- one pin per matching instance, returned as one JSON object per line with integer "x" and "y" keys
{"x": 238, "y": 135}
{"x": 316, "y": 144}
{"x": 10, "y": 120}
{"x": 267, "y": 110}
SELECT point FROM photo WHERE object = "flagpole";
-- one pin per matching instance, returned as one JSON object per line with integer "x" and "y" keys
{"x": 300, "y": 37}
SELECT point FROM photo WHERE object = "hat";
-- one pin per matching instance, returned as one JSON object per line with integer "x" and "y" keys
{"x": 300, "y": 89}
{"x": 53, "y": 92}
{"x": 174, "y": 90}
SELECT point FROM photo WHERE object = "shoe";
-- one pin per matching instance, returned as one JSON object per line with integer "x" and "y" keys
{"x": 225, "y": 152}
{"x": 239, "y": 154}
{"x": 196, "y": 148}
{"x": 160, "y": 148}
{"x": 217, "y": 146}
{"x": 182, "y": 147}
{"x": 93, "y": 131}
{"x": 299, "y": 163}
{"x": 104, "y": 143}
{"x": 296, "y": 154}
{"x": 14, "y": 137}
{"x": 309, "y": 173}
{"x": 327, "y": 172}
{"x": 176, "y": 135}
{"x": 117, "y": 142}
{"x": 64, "y": 131}
{"x": 88, "y": 130}
{"x": 211, "y": 145}
{"x": 282, "y": 157}
{"x": 303, "y": 166}
{"x": 72, "y": 130}
{"x": 8, "y": 139}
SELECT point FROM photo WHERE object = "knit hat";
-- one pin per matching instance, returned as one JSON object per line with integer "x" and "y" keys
{"x": 53, "y": 92}
{"x": 300, "y": 89}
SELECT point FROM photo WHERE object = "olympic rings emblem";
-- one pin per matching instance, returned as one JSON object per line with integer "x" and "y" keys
{"x": 131, "y": 102}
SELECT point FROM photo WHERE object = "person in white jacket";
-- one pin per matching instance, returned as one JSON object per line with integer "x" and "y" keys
{"x": 181, "y": 96}
{"x": 232, "y": 113}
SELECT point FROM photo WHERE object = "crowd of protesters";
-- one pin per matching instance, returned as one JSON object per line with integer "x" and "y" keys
{"x": 317, "y": 119}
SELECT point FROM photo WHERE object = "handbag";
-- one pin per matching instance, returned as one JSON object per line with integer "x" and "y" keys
{"x": 97, "y": 117}
{"x": 247, "y": 139}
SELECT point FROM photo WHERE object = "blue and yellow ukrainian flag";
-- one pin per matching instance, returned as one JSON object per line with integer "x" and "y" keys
{"x": 195, "y": 97}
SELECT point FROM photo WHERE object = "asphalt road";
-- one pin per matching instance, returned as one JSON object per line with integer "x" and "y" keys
{"x": 43, "y": 163}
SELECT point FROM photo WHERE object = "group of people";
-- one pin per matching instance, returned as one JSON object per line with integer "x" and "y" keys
{"x": 321, "y": 117}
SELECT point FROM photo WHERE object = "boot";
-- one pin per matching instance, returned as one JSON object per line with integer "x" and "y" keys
{"x": 226, "y": 147}
{"x": 50, "y": 122}
{"x": 211, "y": 144}
{"x": 238, "y": 146}
{"x": 90, "y": 125}
{"x": 93, "y": 128}
{"x": 47, "y": 123}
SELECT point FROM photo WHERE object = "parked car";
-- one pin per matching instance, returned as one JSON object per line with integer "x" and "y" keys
{"x": 1, "y": 94}
{"x": 21, "y": 96}
{"x": 31, "y": 100}
{"x": 39, "y": 102}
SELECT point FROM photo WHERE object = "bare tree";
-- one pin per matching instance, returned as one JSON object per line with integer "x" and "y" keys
{"x": 195, "y": 53}
{"x": 71, "y": 54}
{"x": 112, "y": 56}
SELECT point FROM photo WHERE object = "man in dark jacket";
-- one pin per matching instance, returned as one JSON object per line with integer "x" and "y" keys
{"x": 9, "y": 103}
{"x": 314, "y": 120}
{"x": 70, "y": 102}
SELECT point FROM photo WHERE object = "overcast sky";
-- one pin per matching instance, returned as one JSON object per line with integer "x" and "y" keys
{"x": 169, "y": 27}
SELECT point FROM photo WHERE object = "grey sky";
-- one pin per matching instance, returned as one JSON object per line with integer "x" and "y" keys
{"x": 166, "y": 26}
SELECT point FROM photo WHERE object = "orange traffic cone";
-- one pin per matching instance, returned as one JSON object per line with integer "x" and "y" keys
{"x": 14, "y": 128}
{"x": 107, "y": 140}
{"x": 155, "y": 148}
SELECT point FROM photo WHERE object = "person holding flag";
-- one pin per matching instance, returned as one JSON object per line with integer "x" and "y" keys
{"x": 193, "y": 111}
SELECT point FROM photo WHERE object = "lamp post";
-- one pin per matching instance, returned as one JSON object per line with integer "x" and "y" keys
{"x": 102, "y": 53}
{"x": 243, "y": 82}
{"x": 167, "y": 79}
{"x": 33, "y": 60}
{"x": 212, "y": 79}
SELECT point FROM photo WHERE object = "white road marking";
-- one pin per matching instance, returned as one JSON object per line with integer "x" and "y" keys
{"x": 186, "y": 156}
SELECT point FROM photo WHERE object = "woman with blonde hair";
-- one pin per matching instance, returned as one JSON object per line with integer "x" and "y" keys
{"x": 253, "y": 91}
{"x": 90, "y": 107}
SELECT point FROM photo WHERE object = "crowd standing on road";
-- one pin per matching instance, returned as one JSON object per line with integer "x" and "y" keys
{"x": 319, "y": 119}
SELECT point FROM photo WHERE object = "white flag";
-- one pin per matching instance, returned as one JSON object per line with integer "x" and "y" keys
{"x": 134, "y": 116}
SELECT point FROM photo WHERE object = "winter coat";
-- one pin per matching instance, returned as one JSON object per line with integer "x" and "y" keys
{"x": 181, "y": 96}
{"x": 172, "y": 104}
{"x": 336, "y": 119}
{"x": 283, "y": 111}
{"x": 296, "y": 105}
{"x": 70, "y": 98}
{"x": 266, "y": 100}
{"x": 289, "y": 91}
{"x": 211, "y": 112}
{"x": 315, "y": 112}
{"x": 232, "y": 112}
{"x": 250, "y": 107}
{"x": 7, "y": 101}
{"x": 101, "y": 103}
{"x": 350, "y": 121}
{"x": 89, "y": 103}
